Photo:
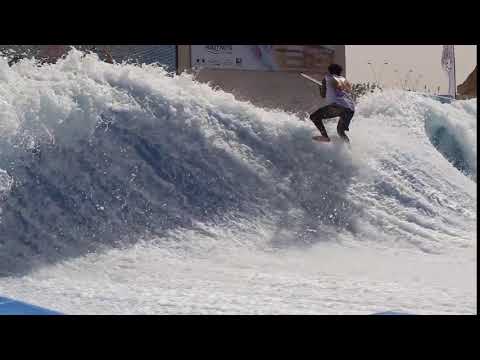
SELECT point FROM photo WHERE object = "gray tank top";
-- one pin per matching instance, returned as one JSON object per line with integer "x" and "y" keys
{"x": 338, "y": 97}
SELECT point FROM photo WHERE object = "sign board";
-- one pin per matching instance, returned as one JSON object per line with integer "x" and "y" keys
{"x": 290, "y": 58}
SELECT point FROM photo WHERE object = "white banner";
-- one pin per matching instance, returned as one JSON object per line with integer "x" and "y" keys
{"x": 294, "y": 58}
{"x": 448, "y": 65}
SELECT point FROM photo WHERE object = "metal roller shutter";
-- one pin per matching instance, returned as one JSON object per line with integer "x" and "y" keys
{"x": 141, "y": 54}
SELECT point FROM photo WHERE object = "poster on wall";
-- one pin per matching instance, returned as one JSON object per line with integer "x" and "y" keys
{"x": 292, "y": 58}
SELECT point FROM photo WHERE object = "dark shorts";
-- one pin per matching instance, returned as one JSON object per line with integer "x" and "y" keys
{"x": 333, "y": 111}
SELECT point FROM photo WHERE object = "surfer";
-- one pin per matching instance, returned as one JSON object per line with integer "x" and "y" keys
{"x": 337, "y": 91}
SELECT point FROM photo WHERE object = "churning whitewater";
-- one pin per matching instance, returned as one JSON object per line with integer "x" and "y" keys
{"x": 125, "y": 189}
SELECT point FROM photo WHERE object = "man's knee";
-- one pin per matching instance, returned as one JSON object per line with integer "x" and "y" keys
{"x": 315, "y": 116}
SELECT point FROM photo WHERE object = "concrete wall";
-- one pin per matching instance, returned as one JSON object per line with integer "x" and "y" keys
{"x": 287, "y": 91}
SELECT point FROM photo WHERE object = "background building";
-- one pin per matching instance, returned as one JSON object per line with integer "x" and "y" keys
{"x": 266, "y": 75}
{"x": 147, "y": 54}
{"x": 263, "y": 84}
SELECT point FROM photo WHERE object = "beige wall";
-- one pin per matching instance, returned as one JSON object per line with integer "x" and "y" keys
{"x": 287, "y": 91}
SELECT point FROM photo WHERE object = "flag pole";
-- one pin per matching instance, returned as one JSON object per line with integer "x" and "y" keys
{"x": 454, "y": 74}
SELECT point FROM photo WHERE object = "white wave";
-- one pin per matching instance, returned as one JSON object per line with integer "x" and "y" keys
{"x": 452, "y": 128}
{"x": 6, "y": 182}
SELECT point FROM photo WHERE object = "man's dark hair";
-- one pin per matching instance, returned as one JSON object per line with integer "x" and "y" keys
{"x": 335, "y": 69}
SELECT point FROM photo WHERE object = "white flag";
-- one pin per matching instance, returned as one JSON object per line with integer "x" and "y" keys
{"x": 448, "y": 65}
